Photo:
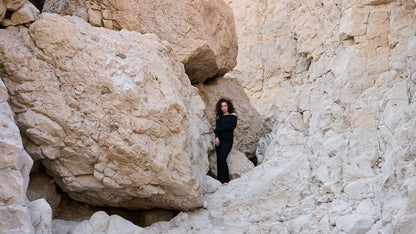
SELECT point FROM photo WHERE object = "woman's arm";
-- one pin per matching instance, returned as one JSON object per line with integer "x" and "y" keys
{"x": 216, "y": 131}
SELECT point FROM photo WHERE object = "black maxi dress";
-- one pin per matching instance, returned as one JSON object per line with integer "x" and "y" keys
{"x": 225, "y": 132}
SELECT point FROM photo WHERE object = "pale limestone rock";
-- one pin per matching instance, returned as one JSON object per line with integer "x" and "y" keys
{"x": 257, "y": 41}
{"x": 63, "y": 226}
{"x": 343, "y": 111}
{"x": 41, "y": 216}
{"x": 201, "y": 32}
{"x": 15, "y": 166}
{"x": 100, "y": 222}
{"x": 340, "y": 157}
{"x": 11, "y": 187}
{"x": 13, "y": 161}
{"x": 378, "y": 27}
{"x": 354, "y": 223}
{"x": 13, "y": 5}
{"x": 411, "y": 62}
{"x": 25, "y": 14}
{"x": 238, "y": 164}
{"x": 190, "y": 222}
{"x": 341, "y": 154}
{"x": 133, "y": 139}
{"x": 354, "y": 22}
{"x": 235, "y": 208}
{"x": 355, "y": 190}
{"x": 212, "y": 185}
{"x": 15, "y": 219}
{"x": 249, "y": 124}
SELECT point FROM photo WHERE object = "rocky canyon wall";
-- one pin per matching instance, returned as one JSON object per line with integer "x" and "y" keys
{"x": 334, "y": 80}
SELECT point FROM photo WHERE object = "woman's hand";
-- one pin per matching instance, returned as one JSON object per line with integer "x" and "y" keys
{"x": 217, "y": 141}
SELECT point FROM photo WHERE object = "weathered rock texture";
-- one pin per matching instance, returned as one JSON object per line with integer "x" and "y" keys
{"x": 14, "y": 172}
{"x": 18, "y": 215}
{"x": 337, "y": 82}
{"x": 112, "y": 114}
{"x": 249, "y": 126}
{"x": 202, "y": 32}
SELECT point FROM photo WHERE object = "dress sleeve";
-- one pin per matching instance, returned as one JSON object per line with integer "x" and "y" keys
{"x": 228, "y": 127}
{"x": 216, "y": 131}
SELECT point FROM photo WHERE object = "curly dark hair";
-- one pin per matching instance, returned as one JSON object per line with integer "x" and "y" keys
{"x": 218, "y": 110}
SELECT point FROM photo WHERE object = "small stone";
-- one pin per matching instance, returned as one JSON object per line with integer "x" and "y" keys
{"x": 108, "y": 23}
{"x": 107, "y": 14}
{"x": 25, "y": 14}
{"x": 95, "y": 17}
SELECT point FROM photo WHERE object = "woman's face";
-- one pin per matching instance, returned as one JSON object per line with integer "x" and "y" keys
{"x": 224, "y": 107}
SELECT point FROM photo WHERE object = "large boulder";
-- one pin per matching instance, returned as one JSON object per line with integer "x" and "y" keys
{"x": 202, "y": 32}
{"x": 111, "y": 114}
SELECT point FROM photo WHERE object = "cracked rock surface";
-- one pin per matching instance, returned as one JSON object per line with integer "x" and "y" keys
{"x": 112, "y": 115}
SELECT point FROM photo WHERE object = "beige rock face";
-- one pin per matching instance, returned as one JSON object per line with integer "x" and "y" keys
{"x": 341, "y": 103}
{"x": 202, "y": 32}
{"x": 111, "y": 114}
{"x": 249, "y": 126}
{"x": 15, "y": 166}
{"x": 336, "y": 82}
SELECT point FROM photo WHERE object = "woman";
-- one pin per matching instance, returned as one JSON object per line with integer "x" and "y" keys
{"x": 225, "y": 124}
